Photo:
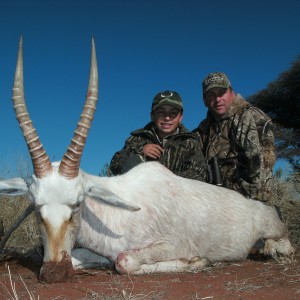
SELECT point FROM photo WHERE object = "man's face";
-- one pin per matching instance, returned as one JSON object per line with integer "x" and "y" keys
{"x": 218, "y": 101}
{"x": 166, "y": 118}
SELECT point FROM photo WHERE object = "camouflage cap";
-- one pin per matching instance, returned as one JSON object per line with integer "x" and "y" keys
{"x": 167, "y": 98}
{"x": 213, "y": 80}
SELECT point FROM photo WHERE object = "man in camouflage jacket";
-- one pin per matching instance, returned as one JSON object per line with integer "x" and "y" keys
{"x": 165, "y": 140}
{"x": 240, "y": 136}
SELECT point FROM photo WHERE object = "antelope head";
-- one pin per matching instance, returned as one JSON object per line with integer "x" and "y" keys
{"x": 56, "y": 189}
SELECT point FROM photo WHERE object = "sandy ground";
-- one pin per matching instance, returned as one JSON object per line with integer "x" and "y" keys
{"x": 255, "y": 278}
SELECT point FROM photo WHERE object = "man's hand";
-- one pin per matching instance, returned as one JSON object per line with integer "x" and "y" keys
{"x": 153, "y": 150}
{"x": 251, "y": 190}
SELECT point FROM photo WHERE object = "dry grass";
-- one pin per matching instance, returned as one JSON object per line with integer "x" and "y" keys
{"x": 286, "y": 196}
{"x": 124, "y": 294}
{"x": 11, "y": 292}
{"x": 26, "y": 238}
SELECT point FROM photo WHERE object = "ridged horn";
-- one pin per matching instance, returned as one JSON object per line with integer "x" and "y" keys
{"x": 40, "y": 160}
{"x": 70, "y": 163}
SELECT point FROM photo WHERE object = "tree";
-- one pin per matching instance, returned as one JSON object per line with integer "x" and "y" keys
{"x": 281, "y": 101}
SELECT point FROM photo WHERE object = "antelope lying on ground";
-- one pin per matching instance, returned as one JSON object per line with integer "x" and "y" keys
{"x": 147, "y": 220}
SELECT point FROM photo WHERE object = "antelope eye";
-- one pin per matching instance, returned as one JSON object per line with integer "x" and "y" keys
{"x": 38, "y": 208}
{"x": 75, "y": 207}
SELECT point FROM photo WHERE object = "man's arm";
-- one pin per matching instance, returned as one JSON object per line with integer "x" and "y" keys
{"x": 255, "y": 139}
{"x": 193, "y": 165}
{"x": 119, "y": 163}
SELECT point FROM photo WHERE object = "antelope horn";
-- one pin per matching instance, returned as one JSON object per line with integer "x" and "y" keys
{"x": 69, "y": 166}
{"x": 40, "y": 160}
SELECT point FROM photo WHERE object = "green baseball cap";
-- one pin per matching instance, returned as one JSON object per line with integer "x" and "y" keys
{"x": 213, "y": 80}
{"x": 167, "y": 98}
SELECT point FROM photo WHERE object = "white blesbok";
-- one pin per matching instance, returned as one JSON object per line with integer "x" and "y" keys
{"x": 147, "y": 220}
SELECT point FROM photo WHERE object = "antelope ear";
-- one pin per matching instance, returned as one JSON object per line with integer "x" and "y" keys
{"x": 13, "y": 187}
{"x": 103, "y": 195}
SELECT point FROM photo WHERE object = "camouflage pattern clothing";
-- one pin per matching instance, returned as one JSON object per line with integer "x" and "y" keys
{"x": 181, "y": 152}
{"x": 243, "y": 142}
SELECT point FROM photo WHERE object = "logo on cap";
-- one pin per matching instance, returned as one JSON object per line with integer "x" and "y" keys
{"x": 215, "y": 78}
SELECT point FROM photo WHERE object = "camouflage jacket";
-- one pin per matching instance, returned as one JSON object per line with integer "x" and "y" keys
{"x": 243, "y": 142}
{"x": 182, "y": 152}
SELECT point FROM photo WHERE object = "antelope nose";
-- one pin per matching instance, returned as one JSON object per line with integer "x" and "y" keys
{"x": 53, "y": 272}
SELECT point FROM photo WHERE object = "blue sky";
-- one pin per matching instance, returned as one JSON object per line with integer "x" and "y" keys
{"x": 143, "y": 47}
